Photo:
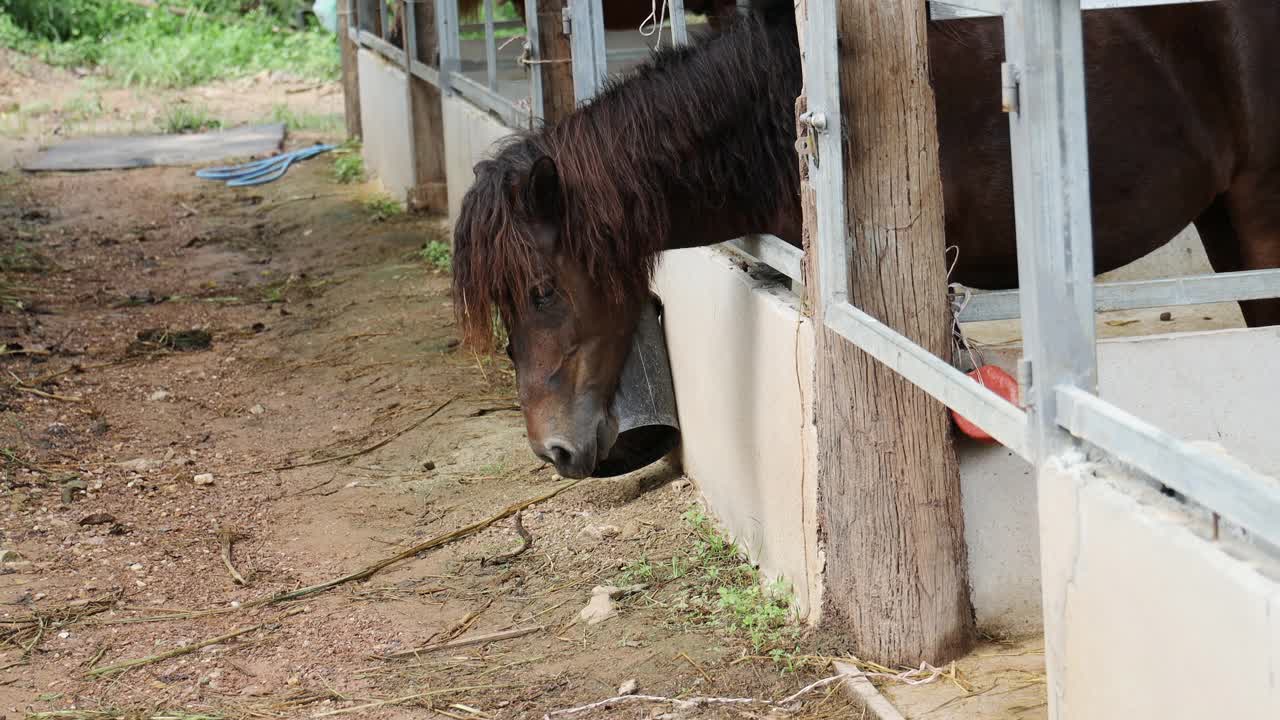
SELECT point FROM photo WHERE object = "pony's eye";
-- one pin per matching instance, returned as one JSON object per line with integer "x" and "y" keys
{"x": 543, "y": 296}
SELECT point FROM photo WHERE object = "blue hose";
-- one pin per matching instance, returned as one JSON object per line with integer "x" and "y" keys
{"x": 260, "y": 172}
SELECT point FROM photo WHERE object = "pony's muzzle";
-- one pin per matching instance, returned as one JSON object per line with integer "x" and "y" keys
{"x": 644, "y": 404}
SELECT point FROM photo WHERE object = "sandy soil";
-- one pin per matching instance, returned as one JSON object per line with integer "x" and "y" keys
{"x": 331, "y": 422}
{"x": 158, "y": 504}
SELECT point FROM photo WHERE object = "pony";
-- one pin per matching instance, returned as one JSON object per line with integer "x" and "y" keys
{"x": 559, "y": 234}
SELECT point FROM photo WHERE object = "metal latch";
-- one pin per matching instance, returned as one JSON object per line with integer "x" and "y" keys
{"x": 807, "y": 144}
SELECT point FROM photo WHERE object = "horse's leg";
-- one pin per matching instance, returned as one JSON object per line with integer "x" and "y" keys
{"x": 1219, "y": 238}
{"x": 1254, "y": 207}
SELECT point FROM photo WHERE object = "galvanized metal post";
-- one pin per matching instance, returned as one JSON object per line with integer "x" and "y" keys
{"x": 490, "y": 48}
{"x": 1045, "y": 51}
{"x": 825, "y": 143}
{"x": 450, "y": 47}
{"x": 586, "y": 37}
{"x": 534, "y": 43}
{"x": 679, "y": 28}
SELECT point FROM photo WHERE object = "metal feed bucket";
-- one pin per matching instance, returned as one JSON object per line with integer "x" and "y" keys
{"x": 645, "y": 402}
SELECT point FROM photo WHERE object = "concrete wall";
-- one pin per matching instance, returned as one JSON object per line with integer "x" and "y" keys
{"x": 1146, "y": 617}
{"x": 742, "y": 362}
{"x": 384, "y": 118}
{"x": 1216, "y": 386}
{"x": 469, "y": 135}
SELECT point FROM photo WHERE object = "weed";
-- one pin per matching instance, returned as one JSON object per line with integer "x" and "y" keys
{"x": 496, "y": 469}
{"x": 35, "y": 109}
{"x": 717, "y": 586}
{"x": 22, "y": 259}
{"x": 438, "y": 255}
{"x": 382, "y": 207}
{"x": 316, "y": 122}
{"x": 83, "y": 107}
{"x": 183, "y": 118}
{"x": 348, "y": 166}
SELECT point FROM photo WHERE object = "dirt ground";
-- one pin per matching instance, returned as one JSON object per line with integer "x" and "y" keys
{"x": 169, "y": 511}
{"x": 331, "y": 422}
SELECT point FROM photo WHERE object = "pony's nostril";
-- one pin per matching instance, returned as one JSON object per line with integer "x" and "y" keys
{"x": 559, "y": 454}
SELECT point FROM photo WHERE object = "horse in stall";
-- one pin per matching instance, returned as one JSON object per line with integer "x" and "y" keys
{"x": 561, "y": 230}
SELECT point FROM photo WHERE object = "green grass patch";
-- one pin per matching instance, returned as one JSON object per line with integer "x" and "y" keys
{"x": 153, "y": 47}
{"x": 382, "y": 208}
{"x": 348, "y": 165}
{"x": 438, "y": 255}
{"x": 715, "y": 584}
{"x": 184, "y": 118}
{"x": 317, "y": 122}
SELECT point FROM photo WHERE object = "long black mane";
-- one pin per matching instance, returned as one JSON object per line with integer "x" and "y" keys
{"x": 696, "y": 133}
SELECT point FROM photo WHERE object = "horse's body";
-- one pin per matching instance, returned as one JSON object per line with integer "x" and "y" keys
{"x": 697, "y": 148}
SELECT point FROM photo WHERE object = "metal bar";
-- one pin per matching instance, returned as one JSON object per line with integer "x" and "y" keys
{"x": 586, "y": 40}
{"x": 959, "y": 9}
{"x": 382, "y": 47}
{"x": 486, "y": 99}
{"x": 826, "y": 170}
{"x": 774, "y": 252}
{"x": 1222, "y": 484}
{"x": 962, "y": 9}
{"x": 490, "y": 47}
{"x": 449, "y": 43}
{"x": 1045, "y": 50}
{"x": 998, "y": 417}
{"x": 424, "y": 72}
{"x": 497, "y": 25}
{"x": 534, "y": 43}
{"x": 679, "y": 26}
{"x": 1135, "y": 294}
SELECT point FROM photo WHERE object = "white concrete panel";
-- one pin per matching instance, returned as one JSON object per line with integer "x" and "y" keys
{"x": 1146, "y": 617}
{"x": 998, "y": 493}
{"x": 742, "y": 362}
{"x": 384, "y": 117}
{"x": 469, "y": 135}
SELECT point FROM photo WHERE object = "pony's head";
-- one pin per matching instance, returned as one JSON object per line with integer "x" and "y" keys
{"x": 531, "y": 253}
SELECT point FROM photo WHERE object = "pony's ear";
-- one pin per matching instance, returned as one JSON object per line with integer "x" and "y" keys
{"x": 542, "y": 190}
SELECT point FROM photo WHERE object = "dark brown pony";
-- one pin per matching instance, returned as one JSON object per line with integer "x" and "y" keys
{"x": 561, "y": 230}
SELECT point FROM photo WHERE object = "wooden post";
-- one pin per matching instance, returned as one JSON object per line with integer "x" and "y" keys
{"x": 888, "y": 481}
{"x": 431, "y": 190}
{"x": 347, "y": 20}
{"x": 557, "y": 65}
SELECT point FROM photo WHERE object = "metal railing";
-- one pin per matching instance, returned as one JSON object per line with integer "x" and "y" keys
{"x": 1056, "y": 298}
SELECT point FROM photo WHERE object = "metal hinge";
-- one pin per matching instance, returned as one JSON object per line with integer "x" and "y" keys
{"x": 566, "y": 20}
{"x": 1008, "y": 88}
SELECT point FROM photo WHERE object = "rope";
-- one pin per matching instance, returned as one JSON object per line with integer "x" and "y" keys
{"x": 654, "y": 22}
{"x": 960, "y": 301}
{"x": 260, "y": 172}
